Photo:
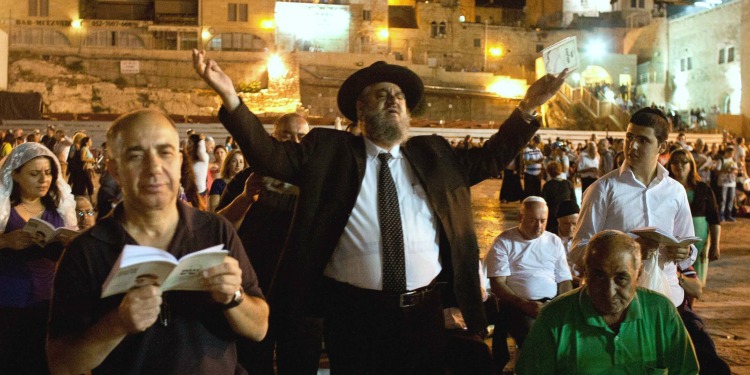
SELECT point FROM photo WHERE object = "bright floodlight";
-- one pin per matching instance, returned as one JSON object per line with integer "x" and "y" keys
{"x": 462, "y": 19}
{"x": 276, "y": 67}
{"x": 596, "y": 48}
{"x": 609, "y": 95}
{"x": 576, "y": 77}
{"x": 496, "y": 51}
{"x": 383, "y": 33}
{"x": 205, "y": 34}
{"x": 76, "y": 24}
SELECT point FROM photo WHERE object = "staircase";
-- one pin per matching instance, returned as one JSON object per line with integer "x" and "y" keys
{"x": 583, "y": 111}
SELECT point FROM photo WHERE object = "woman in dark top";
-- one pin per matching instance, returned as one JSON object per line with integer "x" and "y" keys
{"x": 703, "y": 207}
{"x": 233, "y": 164}
{"x": 30, "y": 187}
{"x": 555, "y": 191}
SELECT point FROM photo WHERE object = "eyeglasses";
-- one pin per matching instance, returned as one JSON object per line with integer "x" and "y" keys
{"x": 84, "y": 213}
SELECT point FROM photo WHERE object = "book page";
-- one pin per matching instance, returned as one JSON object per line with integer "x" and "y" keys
{"x": 658, "y": 235}
{"x": 187, "y": 274}
{"x": 561, "y": 55}
{"x": 120, "y": 280}
{"x": 43, "y": 231}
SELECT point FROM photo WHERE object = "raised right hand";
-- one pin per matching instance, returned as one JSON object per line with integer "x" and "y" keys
{"x": 212, "y": 74}
{"x": 140, "y": 308}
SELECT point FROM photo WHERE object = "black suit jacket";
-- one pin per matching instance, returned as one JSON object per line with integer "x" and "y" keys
{"x": 329, "y": 165}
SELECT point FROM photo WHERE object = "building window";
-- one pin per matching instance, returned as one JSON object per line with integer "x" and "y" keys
{"x": 433, "y": 29}
{"x": 477, "y": 43}
{"x": 366, "y": 15}
{"x": 39, "y": 37}
{"x": 689, "y": 63}
{"x": 633, "y": 3}
{"x": 442, "y": 28}
{"x": 721, "y": 56}
{"x": 682, "y": 65}
{"x": 478, "y": 19}
{"x": 641, "y": 4}
{"x": 242, "y": 13}
{"x": 121, "y": 39}
{"x": 730, "y": 54}
{"x": 232, "y": 12}
{"x": 237, "y": 42}
{"x": 38, "y": 8}
{"x": 642, "y": 78}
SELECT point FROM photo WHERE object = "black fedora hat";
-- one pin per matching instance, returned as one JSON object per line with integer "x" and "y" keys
{"x": 567, "y": 207}
{"x": 380, "y": 71}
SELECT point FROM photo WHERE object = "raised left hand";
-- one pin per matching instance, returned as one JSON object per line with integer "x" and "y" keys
{"x": 224, "y": 280}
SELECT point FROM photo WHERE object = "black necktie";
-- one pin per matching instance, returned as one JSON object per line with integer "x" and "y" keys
{"x": 391, "y": 233}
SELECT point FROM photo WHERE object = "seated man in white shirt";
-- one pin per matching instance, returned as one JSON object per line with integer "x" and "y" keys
{"x": 527, "y": 267}
{"x": 640, "y": 193}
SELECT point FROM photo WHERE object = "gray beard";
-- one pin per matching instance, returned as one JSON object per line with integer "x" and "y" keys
{"x": 380, "y": 129}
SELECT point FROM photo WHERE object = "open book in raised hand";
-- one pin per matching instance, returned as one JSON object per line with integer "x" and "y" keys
{"x": 664, "y": 238}
{"x": 45, "y": 233}
{"x": 143, "y": 265}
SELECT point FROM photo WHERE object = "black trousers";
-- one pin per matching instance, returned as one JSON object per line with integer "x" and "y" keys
{"x": 368, "y": 334}
{"x": 705, "y": 349}
{"x": 532, "y": 185}
{"x": 513, "y": 321}
{"x": 297, "y": 341}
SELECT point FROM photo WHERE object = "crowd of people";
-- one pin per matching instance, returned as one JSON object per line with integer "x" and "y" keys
{"x": 360, "y": 239}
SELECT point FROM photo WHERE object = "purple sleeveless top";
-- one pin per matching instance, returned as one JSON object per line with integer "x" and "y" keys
{"x": 26, "y": 275}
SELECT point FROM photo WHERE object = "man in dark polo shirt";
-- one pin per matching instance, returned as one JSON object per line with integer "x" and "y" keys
{"x": 145, "y": 330}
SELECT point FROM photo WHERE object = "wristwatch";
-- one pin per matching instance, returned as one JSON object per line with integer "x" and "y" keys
{"x": 239, "y": 295}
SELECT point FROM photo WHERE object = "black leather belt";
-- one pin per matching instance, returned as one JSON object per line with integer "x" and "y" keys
{"x": 407, "y": 299}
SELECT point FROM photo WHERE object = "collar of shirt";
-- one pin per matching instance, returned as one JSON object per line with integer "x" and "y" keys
{"x": 373, "y": 150}
{"x": 626, "y": 175}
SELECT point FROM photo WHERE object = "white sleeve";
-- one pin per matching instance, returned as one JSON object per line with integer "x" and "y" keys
{"x": 590, "y": 221}
{"x": 562, "y": 270}
{"x": 202, "y": 153}
{"x": 497, "y": 259}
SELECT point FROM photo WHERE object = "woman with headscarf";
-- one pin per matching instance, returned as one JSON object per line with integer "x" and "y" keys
{"x": 30, "y": 187}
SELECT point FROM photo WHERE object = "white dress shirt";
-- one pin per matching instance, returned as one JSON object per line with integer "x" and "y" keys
{"x": 533, "y": 267}
{"x": 620, "y": 201}
{"x": 358, "y": 257}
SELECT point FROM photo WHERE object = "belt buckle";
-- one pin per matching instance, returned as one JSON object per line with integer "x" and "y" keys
{"x": 403, "y": 296}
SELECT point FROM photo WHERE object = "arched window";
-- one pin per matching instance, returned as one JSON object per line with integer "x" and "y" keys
{"x": 237, "y": 42}
{"x": 109, "y": 38}
{"x": 442, "y": 28}
{"x": 433, "y": 29}
{"x": 39, "y": 37}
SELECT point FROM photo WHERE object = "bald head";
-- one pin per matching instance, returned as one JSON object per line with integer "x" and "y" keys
{"x": 290, "y": 127}
{"x": 610, "y": 244}
{"x": 142, "y": 117}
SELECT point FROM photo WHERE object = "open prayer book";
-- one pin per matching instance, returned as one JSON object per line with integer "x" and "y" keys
{"x": 143, "y": 265}
{"x": 664, "y": 238}
{"x": 45, "y": 233}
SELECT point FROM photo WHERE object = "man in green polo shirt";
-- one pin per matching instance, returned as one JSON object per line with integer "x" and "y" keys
{"x": 610, "y": 325}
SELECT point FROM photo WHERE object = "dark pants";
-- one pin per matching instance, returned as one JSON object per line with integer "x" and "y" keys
{"x": 367, "y": 333}
{"x": 297, "y": 341}
{"x": 22, "y": 338}
{"x": 705, "y": 350}
{"x": 510, "y": 320}
{"x": 532, "y": 185}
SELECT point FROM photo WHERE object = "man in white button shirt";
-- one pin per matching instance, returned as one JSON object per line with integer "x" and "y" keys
{"x": 334, "y": 260}
{"x": 527, "y": 267}
{"x": 640, "y": 193}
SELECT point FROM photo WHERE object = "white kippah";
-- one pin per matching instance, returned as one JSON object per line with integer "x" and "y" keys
{"x": 534, "y": 199}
